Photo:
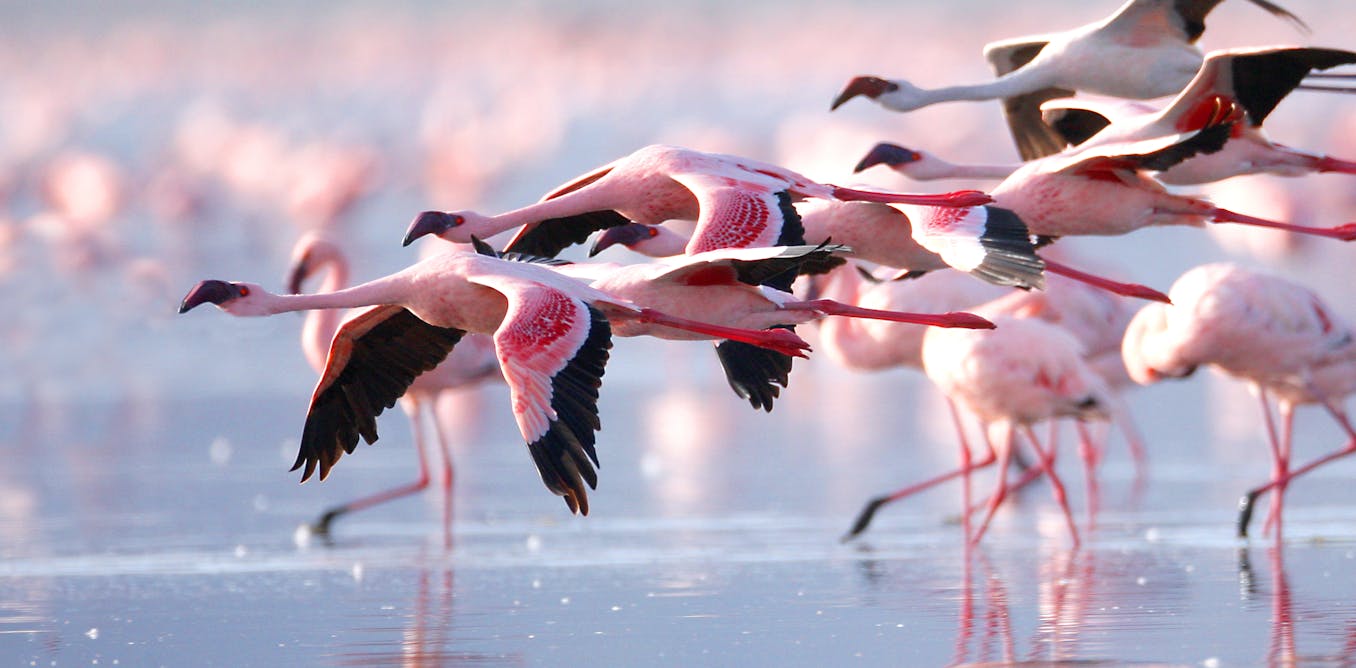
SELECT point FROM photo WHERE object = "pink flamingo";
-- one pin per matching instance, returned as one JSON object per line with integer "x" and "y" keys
{"x": 1146, "y": 49}
{"x": 551, "y": 335}
{"x": 470, "y": 363}
{"x": 1104, "y": 190}
{"x": 1270, "y": 332}
{"x": 737, "y": 203}
{"x": 1023, "y": 372}
{"x": 988, "y": 242}
{"x": 1256, "y": 79}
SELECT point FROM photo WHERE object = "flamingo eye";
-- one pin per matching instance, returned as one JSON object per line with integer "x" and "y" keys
{"x": 915, "y": 156}
{"x": 457, "y": 220}
{"x": 654, "y": 232}
{"x": 244, "y": 291}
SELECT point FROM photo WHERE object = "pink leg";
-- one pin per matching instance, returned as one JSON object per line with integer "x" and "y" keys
{"x": 951, "y": 319}
{"x": 449, "y": 473}
{"x": 1346, "y": 232}
{"x": 1278, "y": 458}
{"x": 1126, "y": 289}
{"x": 869, "y": 512}
{"x": 1000, "y": 493}
{"x": 1047, "y": 465}
{"x": 1282, "y": 651}
{"x": 967, "y": 465}
{"x": 959, "y": 198}
{"x": 1330, "y": 164}
{"x": 779, "y": 340}
{"x": 1088, "y": 451}
{"x": 413, "y": 407}
{"x": 1249, "y": 499}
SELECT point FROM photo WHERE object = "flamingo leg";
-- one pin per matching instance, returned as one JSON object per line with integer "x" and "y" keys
{"x": 1345, "y": 232}
{"x": 1249, "y": 499}
{"x": 1278, "y": 466}
{"x": 448, "y": 471}
{"x": 950, "y": 319}
{"x": 1134, "y": 290}
{"x": 869, "y": 512}
{"x": 779, "y": 340}
{"x": 1328, "y": 163}
{"x": 1088, "y": 451}
{"x": 1000, "y": 492}
{"x": 321, "y": 527}
{"x": 966, "y": 463}
{"x": 1047, "y": 464}
{"x": 959, "y": 198}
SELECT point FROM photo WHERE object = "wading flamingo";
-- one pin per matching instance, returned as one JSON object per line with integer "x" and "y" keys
{"x": 470, "y": 363}
{"x": 1276, "y": 335}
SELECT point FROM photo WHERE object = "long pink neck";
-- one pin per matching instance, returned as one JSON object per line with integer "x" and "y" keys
{"x": 954, "y": 171}
{"x": 321, "y": 325}
{"x": 391, "y": 289}
{"x": 589, "y": 198}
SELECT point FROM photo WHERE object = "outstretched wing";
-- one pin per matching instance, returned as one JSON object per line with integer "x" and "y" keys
{"x": 1192, "y": 13}
{"x": 552, "y": 348}
{"x": 1033, "y": 137}
{"x": 989, "y": 242}
{"x": 553, "y": 235}
{"x": 1160, "y": 153}
{"x": 752, "y": 266}
{"x": 373, "y": 359}
{"x": 736, "y": 214}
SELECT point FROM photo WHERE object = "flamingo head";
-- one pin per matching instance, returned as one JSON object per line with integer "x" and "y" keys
{"x": 1149, "y": 352}
{"x": 872, "y": 87}
{"x": 243, "y": 299}
{"x": 310, "y": 254}
{"x": 627, "y": 235}
{"x": 457, "y": 226}
{"x": 893, "y": 156}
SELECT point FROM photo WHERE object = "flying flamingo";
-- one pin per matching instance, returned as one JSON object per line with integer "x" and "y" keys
{"x": 1104, "y": 189}
{"x": 988, "y": 242}
{"x": 737, "y": 203}
{"x": 1146, "y": 49}
{"x": 1024, "y": 371}
{"x": 551, "y": 336}
{"x": 1257, "y": 79}
{"x": 1275, "y": 334}
{"x": 469, "y": 364}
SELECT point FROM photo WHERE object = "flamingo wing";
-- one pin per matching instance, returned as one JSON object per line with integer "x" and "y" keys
{"x": 580, "y": 181}
{"x": 1033, "y": 137}
{"x": 373, "y": 359}
{"x": 1191, "y": 15}
{"x": 553, "y": 348}
{"x": 553, "y": 235}
{"x": 739, "y": 214}
{"x": 752, "y": 266}
{"x": 1262, "y": 79}
{"x": 1159, "y": 153}
{"x": 989, "y": 242}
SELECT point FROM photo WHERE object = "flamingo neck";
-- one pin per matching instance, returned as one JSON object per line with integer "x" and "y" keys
{"x": 373, "y": 293}
{"x": 1014, "y": 83}
{"x": 979, "y": 171}
{"x": 320, "y": 326}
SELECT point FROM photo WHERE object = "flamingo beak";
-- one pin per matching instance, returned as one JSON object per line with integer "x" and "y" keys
{"x": 626, "y": 235}
{"x": 886, "y": 154}
{"x": 216, "y": 292}
{"x": 872, "y": 87}
{"x": 428, "y": 222}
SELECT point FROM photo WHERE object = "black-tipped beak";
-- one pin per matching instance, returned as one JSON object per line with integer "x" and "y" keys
{"x": 212, "y": 291}
{"x": 428, "y": 222}
{"x": 886, "y": 154}
{"x": 872, "y": 87}
{"x": 626, "y": 235}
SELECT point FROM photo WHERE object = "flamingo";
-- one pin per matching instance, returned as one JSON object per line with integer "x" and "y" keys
{"x": 470, "y": 363}
{"x": 737, "y": 203}
{"x": 1257, "y": 79}
{"x": 1022, "y": 372}
{"x": 922, "y": 165}
{"x": 1272, "y": 333}
{"x": 551, "y": 336}
{"x": 988, "y": 242}
{"x": 1146, "y": 49}
{"x": 1103, "y": 189}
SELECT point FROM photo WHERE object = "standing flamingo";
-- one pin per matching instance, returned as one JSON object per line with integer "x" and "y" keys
{"x": 470, "y": 363}
{"x": 1276, "y": 335}
{"x": 737, "y": 203}
{"x": 1257, "y": 79}
{"x": 1022, "y": 372}
{"x": 1146, "y": 49}
{"x": 551, "y": 335}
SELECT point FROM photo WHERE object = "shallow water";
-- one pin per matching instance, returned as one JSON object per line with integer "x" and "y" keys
{"x": 172, "y": 539}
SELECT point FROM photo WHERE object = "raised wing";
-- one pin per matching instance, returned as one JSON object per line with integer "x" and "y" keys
{"x": 1191, "y": 15}
{"x": 552, "y": 348}
{"x": 373, "y": 359}
{"x": 553, "y": 235}
{"x": 1033, "y": 137}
